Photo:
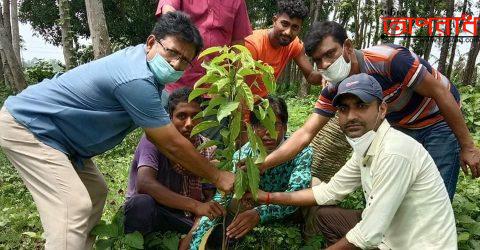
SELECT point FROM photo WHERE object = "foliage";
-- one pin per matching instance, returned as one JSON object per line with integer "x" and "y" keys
{"x": 471, "y": 109}
{"x": 232, "y": 97}
{"x": 466, "y": 206}
{"x": 127, "y": 22}
{"x": 41, "y": 69}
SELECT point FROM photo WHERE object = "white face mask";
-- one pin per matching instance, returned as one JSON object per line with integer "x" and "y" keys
{"x": 337, "y": 71}
{"x": 362, "y": 143}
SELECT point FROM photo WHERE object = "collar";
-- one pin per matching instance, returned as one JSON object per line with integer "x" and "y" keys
{"x": 381, "y": 132}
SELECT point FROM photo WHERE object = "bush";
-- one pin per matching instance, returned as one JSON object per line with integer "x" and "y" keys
{"x": 41, "y": 69}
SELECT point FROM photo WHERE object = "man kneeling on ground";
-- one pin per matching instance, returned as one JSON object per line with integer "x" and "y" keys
{"x": 290, "y": 176}
{"x": 407, "y": 204}
{"x": 162, "y": 195}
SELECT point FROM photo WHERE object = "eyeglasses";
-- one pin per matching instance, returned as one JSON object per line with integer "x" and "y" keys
{"x": 175, "y": 55}
{"x": 260, "y": 129}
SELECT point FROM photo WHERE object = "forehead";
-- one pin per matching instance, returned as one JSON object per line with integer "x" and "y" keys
{"x": 179, "y": 45}
{"x": 326, "y": 45}
{"x": 348, "y": 99}
{"x": 187, "y": 107}
{"x": 293, "y": 21}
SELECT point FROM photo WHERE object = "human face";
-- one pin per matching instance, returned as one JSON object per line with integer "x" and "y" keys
{"x": 182, "y": 117}
{"x": 356, "y": 117}
{"x": 270, "y": 143}
{"x": 329, "y": 50}
{"x": 285, "y": 29}
{"x": 177, "y": 52}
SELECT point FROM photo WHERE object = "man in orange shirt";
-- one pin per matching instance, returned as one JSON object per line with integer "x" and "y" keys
{"x": 278, "y": 45}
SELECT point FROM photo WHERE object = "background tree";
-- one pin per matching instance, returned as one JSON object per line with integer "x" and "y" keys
{"x": 15, "y": 29}
{"x": 11, "y": 64}
{"x": 67, "y": 34}
{"x": 98, "y": 28}
{"x": 470, "y": 68}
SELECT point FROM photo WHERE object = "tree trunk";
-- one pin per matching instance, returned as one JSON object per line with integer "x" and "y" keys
{"x": 446, "y": 41}
{"x": 448, "y": 72}
{"x": 376, "y": 37}
{"x": 18, "y": 79}
{"x": 98, "y": 28}
{"x": 389, "y": 6}
{"x": 470, "y": 68}
{"x": 6, "y": 18}
{"x": 304, "y": 88}
{"x": 15, "y": 30}
{"x": 429, "y": 41}
{"x": 67, "y": 34}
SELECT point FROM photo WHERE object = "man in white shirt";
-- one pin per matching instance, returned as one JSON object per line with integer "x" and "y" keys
{"x": 407, "y": 205}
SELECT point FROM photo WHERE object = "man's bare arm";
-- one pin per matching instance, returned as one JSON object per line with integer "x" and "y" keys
{"x": 298, "y": 198}
{"x": 177, "y": 148}
{"x": 469, "y": 155}
{"x": 313, "y": 77}
{"x": 296, "y": 143}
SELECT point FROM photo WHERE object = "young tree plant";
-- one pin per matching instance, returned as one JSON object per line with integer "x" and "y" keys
{"x": 231, "y": 98}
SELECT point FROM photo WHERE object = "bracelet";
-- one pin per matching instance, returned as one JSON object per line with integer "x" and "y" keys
{"x": 267, "y": 201}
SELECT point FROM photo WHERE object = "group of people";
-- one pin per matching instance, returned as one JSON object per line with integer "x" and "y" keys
{"x": 400, "y": 115}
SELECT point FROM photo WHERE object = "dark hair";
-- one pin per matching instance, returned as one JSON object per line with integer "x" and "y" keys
{"x": 179, "y": 25}
{"x": 320, "y": 31}
{"x": 178, "y": 96}
{"x": 293, "y": 8}
{"x": 279, "y": 108}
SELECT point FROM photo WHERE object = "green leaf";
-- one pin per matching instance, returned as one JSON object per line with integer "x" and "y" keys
{"x": 32, "y": 235}
{"x": 464, "y": 236}
{"x": 207, "y": 144}
{"x": 226, "y": 110}
{"x": 104, "y": 230}
{"x": 210, "y": 51}
{"x": 104, "y": 244}
{"x": 240, "y": 186}
{"x": 220, "y": 84}
{"x": 171, "y": 243}
{"x": 208, "y": 78}
{"x": 134, "y": 240}
{"x": 196, "y": 93}
{"x": 269, "y": 82}
{"x": 465, "y": 219}
{"x": 242, "y": 49}
{"x": 253, "y": 174}
{"x": 248, "y": 95}
{"x": 246, "y": 71}
{"x": 235, "y": 126}
{"x": 251, "y": 137}
{"x": 203, "y": 126}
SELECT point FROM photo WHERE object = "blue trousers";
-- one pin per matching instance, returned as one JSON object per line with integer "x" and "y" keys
{"x": 443, "y": 146}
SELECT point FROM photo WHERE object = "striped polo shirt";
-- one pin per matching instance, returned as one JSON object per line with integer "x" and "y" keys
{"x": 399, "y": 71}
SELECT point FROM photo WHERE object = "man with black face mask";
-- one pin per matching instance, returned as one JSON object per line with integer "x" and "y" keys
{"x": 407, "y": 205}
{"x": 280, "y": 44}
{"x": 421, "y": 101}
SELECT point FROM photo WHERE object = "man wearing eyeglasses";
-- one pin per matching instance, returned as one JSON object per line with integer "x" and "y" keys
{"x": 52, "y": 129}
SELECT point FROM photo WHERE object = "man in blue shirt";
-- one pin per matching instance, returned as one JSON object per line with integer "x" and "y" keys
{"x": 51, "y": 130}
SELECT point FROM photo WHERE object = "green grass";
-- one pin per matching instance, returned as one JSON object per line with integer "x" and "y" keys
{"x": 20, "y": 224}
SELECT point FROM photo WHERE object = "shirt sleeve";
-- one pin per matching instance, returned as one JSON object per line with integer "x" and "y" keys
{"x": 141, "y": 99}
{"x": 174, "y": 3}
{"x": 148, "y": 154}
{"x": 406, "y": 68}
{"x": 345, "y": 181}
{"x": 391, "y": 179}
{"x": 324, "y": 105}
{"x": 205, "y": 223}
{"x": 241, "y": 25}
{"x": 299, "y": 179}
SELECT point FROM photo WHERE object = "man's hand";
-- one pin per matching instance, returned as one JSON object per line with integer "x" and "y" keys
{"x": 244, "y": 222}
{"x": 470, "y": 157}
{"x": 167, "y": 8}
{"x": 224, "y": 181}
{"x": 210, "y": 209}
